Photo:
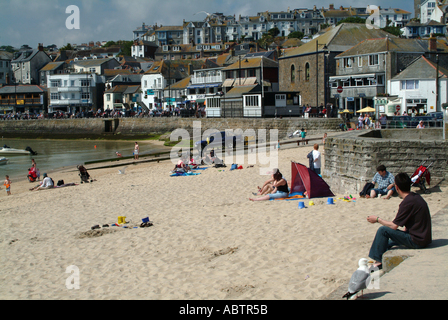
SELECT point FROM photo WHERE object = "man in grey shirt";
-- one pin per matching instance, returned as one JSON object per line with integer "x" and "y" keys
{"x": 386, "y": 183}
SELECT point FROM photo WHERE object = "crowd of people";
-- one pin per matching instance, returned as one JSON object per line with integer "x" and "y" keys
{"x": 117, "y": 113}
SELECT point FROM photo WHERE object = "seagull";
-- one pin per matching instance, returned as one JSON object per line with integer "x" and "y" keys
{"x": 359, "y": 280}
{"x": 122, "y": 171}
{"x": 208, "y": 14}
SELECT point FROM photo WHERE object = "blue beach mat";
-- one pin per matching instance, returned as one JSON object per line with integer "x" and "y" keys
{"x": 292, "y": 197}
{"x": 201, "y": 168}
{"x": 178, "y": 174}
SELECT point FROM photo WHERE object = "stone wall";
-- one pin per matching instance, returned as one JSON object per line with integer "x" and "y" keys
{"x": 351, "y": 158}
{"x": 128, "y": 128}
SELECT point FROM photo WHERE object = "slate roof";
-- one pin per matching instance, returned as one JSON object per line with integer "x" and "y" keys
{"x": 179, "y": 68}
{"x": 52, "y": 66}
{"x": 21, "y": 89}
{"x": 182, "y": 84}
{"x": 24, "y": 56}
{"x": 247, "y": 63}
{"x": 238, "y": 91}
{"x": 392, "y": 45}
{"x": 339, "y": 38}
{"x": 5, "y": 55}
{"x": 422, "y": 68}
{"x": 92, "y": 62}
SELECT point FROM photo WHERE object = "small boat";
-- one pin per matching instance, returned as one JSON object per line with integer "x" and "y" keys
{"x": 3, "y": 161}
{"x": 4, "y": 151}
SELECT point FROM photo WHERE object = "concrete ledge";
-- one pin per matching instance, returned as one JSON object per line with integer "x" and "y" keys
{"x": 394, "y": 257}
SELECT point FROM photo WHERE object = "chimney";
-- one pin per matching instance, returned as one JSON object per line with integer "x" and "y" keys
{"x": 40, "y": 46}
{"x": 331, "y": 6}
{"x": 432, "y": 43}
{"x": 190, "y": 69}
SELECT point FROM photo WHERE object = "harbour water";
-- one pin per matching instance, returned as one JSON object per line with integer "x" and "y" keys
{"x": 54, "y": 154}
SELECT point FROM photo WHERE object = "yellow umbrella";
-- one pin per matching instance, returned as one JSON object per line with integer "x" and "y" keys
{"x": 346, "y": 111}
{"x": 366, "y": 110}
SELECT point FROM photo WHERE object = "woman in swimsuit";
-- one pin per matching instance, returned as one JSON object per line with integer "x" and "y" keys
{"x": 281, "y": 189}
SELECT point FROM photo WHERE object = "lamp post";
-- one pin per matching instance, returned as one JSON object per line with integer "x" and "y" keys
{"x": 445, "y": 120}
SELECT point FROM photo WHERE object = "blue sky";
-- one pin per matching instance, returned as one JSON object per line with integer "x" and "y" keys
{"x": 44, "y": 21}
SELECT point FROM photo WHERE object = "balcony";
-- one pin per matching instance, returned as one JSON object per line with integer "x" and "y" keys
{"x": 207, "y": 79}
{"x": 27, "y": 101}
{"x": 70, "y": 89}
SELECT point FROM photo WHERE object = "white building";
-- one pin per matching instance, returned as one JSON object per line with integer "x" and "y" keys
{"x": 433, "y": 10}
{"x": 74, "y": 92}
{"x": 416, "y": 87}
{"x": 396, "y": 17}
{"x": 152, "y": 87}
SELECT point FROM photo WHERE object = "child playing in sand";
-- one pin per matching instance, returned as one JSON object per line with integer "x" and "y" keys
{"x": 7, "y": 185}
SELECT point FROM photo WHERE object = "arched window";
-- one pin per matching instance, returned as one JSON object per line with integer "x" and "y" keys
{"x": 307, "y": 71}
{"x": 293, "y": 74}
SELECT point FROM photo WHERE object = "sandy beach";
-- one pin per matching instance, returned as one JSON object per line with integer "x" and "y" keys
{"x": 208, "y": 240}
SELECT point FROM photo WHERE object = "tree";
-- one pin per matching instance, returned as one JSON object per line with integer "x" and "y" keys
{"x": 109, "y": 44}
{"x": 126, "y": 47}
{"x": 393, "y": 30}
{"x": 67, "y": 47}
{"x": 296, "y": 35}
{"x": 352, "y": 20}
{"x": 273, "y": 32}
{"x": 8, "y": 49}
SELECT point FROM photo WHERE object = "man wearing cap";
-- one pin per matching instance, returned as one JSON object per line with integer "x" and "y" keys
{"x": 47, "y": 183}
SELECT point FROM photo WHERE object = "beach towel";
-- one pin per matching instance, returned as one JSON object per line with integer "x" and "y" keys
{"x": 184, "y": 174}
{"x": 201, "y": 168}
{"x": 292, "y": 197}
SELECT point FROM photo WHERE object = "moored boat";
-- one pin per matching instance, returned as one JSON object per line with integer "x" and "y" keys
{"x": 3, "y": 160}
{"x": 11, "y": 151}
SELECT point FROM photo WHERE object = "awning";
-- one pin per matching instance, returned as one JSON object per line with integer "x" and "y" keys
{"x": 213, "y": 85}
{"x": 354, "y": 76}
{"x": 200, "y": 100}
{"x": 250, "y": 81}
{"x": 196, "y": 86}
{"x": 228, "y": 83}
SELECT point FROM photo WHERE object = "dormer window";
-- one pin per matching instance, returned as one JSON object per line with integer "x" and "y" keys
{"x": 165, "y": 48}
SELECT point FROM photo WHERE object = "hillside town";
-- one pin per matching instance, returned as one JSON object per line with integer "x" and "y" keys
{"x": 297, "y": 62}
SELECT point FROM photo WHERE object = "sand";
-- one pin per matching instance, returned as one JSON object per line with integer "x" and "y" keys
{"x": 208, "y": 240}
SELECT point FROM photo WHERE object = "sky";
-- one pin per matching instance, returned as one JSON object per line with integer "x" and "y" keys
{"x": 44, "y": 21}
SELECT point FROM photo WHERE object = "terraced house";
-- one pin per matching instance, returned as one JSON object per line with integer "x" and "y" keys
{"x": 365, "y": 70}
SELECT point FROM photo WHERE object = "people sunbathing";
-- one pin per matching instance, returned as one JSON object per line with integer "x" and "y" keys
{"x": 279, "y": 188}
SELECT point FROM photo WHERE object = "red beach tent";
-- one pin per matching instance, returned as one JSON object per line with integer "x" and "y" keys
{"x": 304, "y": 179}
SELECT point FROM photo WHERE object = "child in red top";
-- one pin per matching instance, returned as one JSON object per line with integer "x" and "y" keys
{"x": 7, "y": 185}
